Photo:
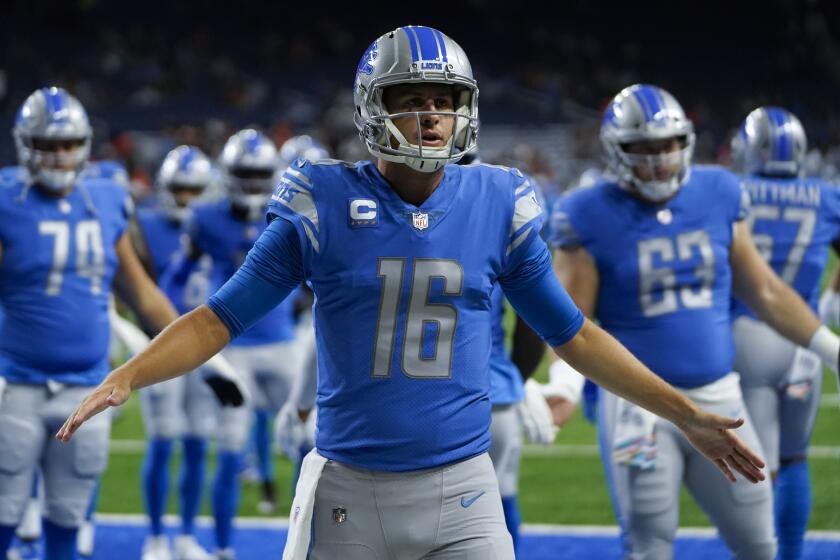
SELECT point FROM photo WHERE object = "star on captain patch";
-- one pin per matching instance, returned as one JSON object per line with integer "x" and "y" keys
{"x": 339, "y": 515}
{"x": 420, "y": 220}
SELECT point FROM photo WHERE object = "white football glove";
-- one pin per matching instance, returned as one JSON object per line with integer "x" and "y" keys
{"x": 535, "y": 415}
{"x": 829, "y": 308}
{"x": 290, "y": 432}
{"x": 563, "y": 381}
{"x": 226, "y": 384}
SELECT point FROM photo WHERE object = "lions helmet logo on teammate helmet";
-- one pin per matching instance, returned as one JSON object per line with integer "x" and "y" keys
{"x": 771, "y": 141}
{"x": 52, "y": 114}
{"x": 643, "y": 113}
{"x": 414, "y": 54}
{"x": 250, "y": 164}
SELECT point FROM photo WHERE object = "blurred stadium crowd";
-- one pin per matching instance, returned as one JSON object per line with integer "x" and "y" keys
{"x": 158, "y": 74}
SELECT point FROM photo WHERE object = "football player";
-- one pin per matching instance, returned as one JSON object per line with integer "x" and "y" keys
{"x": 64, "y": 243}
{"x": 403, "y": 255}
{"x": 654, "y": 251}
{"x": 794, "y": 219}
{"x": 266, "y": 354}
{"x": 182, "y": 408}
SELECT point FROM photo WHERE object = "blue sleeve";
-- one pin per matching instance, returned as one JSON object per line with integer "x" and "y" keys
{"x": 271, "y": 271}
{"x": 538, "y": 297}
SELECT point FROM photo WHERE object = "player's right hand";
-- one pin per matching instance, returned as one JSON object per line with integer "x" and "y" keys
{"x": 714, "y": 437}
{"x": 290, "y": 431}
{"x": 113, "y": 391}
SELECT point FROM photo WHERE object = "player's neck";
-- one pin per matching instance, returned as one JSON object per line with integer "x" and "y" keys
{"x": 412, "y": 186}
{"x": 52, "y": 193}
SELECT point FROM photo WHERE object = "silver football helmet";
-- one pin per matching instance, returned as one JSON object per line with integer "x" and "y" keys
{"x": 184, "y": 167}
{"x": 302, "y": 146}
{"x": 52, "y": 114}
{"x": 250, "y": 164}
{"x": 771, "y": 141}
{"x": 644, "y": 112}
{"x": 414, "y": 54}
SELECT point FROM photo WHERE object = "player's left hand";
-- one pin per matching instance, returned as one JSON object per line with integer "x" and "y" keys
{"x": 536, "y": 416}
{"x": 713, "y": 436}
{"x": 113, "y": 391}
{"x": 226, "y": 384}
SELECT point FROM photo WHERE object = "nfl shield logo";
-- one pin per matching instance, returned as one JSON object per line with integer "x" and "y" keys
{"x": 339, "y": 515}
{"x": 421, "y": 220}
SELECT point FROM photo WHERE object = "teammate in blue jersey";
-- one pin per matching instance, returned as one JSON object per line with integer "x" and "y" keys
{"x": 403, "y": 255}
{"x": 794, "y": 220}
{"x": 29, "y": 530}
{"x": 63, "y": 243}
{"x": 181, "y": 408}
{"x": 265, "y": 355}
{"x": 654, "y": 253}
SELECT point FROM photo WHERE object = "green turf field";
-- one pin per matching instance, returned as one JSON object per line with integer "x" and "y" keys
{"x": 563, "y": 483}
{"x": 559, "y": 484}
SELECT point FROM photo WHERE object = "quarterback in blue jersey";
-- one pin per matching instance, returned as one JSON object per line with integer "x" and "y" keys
{"x": 794, "y": 220}
{"x": 181, "y": 408}
{"x": 63, "y": 240}
{"x": 654, "y": 251}
{"x": 403, "y": 255}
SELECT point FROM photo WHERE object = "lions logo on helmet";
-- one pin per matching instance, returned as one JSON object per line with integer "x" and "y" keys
{"x": 184, "y": 169}
{"x": 771, "y": 141}
{"x": 414, "y": 54}
{"x": 52, "y": 135}
{"x": 250, "y": 164}
{"x": 647, "y": 113}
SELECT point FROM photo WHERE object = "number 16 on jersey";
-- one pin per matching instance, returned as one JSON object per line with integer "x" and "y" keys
{"x": 428, "y": 328}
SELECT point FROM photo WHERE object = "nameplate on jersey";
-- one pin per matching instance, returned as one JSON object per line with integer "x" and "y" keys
{"x": 420, "y": 220}
{"x": 362, "y": 212}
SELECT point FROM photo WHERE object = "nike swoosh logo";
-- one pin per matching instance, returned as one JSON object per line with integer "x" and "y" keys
{"x": 467, "y": 502}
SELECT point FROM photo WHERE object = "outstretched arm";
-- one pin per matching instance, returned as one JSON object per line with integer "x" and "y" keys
{"x": 181, "y": 347}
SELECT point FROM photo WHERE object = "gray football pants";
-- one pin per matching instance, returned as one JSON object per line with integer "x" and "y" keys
{"x": 506, "y": 448}
{"x": 783, "y": 409}
{"x": 452, "y": 512}
{"x": 30, "y": 415}
{"x": 647, "y": 501}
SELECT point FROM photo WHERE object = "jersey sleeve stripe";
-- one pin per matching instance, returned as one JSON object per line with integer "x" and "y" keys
{"x": 298, "y": 178}
{"x": 519, "y": 240}
{"x": 301, "y": 203}
{"x": 313, "y": 239}
{"x": 521, "y": 188}
{"x": 525, "y": 210}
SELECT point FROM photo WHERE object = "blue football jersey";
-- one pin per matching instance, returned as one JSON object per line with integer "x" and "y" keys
{"x": 793, "y": 222}
{"x": 506, "y": 383}
{"x": 665, "y": 278}
{"x": 404, "y": 305}
{"x": 58, "y": 264}
{"x": 162, "y": 236}
{"x": 215, "y": 231}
